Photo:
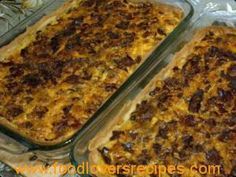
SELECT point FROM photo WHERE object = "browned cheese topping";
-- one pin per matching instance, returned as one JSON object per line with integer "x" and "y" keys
{"x": 55, "y": 84}
{"x": 190, "y": 117}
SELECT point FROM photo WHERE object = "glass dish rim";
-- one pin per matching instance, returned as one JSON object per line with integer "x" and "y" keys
{"x": 39, "y": 147}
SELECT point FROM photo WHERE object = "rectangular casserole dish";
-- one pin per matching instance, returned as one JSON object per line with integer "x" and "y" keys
{"x": 141, "y": 90}
{"x": 37, "y": 54}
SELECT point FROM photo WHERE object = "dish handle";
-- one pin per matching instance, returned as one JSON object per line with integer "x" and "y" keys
{"x": 9, "y": 145}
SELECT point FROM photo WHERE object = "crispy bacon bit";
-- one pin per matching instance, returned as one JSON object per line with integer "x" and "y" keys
{"x": 60, "y": 126}
{"x": 173, "y": 83}
{"x": 163, "y": 131}
{"x": 88, "y": 3}
{"x": 16, "y": 71}
{"x": 221, "y": 108}
{"x": 225, "y": 96}
{"x": 230, "y": 55}
{"x": 14, "y": 88}
{"x": 190, "y": 120}
{"x": 32, "y": 80}
{"x": 105, "y": 154}
{"x": 195, "y": 102}
{"x": 213, "y": 157}
{"x": 125, "y": 62}
{"x": 143, "y": 158}
{"x": 143, "y": 113}
{"x": 233, "y": 171}
{"x": 27, "y": 125}
{"x": 176, "y": 69}
{"x": 55, "y": 43}
{"x": 28, "y": 99}
{"x": 211, "y": 122}
{"x": 73, "y": 79}
{"x": 233, "y": 83}
{"x": 191, "y": 67}
{"x": 76, "y": 124}
{"x": 40, "y": 111}
{"x": 221, "y": 54}
{"x": 208, "y": 36}
{"x": 154, "y": 92}
{"x": 213, "y": 51}
{"x": 123, "y": 25}
{"x": 133, "y": 134}
{"x": 232, "y": 120}
{"x": 113, "y": 35}
{"x": 33, "y": 158}
{"x": 111, "y": 87}
{"x": 187, "y": 141}
{"x": 116, "y": 134}
{"x": 68, "y": 32}
{"x": 14, "y": 111}
{"x": 143, "y": 25}
{"x": 67, "y": 109}
{"x": 161, "y": 32}
{"x": 226, "y": 135}
{"x": 163, "y": 97}
{"x": 24, "y": 52}
{"x": 69, "y": 46}
{"x": 127, "y": 40}
{"x": 198, "y": 148}
{"x": 138, "y": 59}
{"x": 232, "y": 71}
{"x": 114, "y": 4}
{"x": 157, "y": 148}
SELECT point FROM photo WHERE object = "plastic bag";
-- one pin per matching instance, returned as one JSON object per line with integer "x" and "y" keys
{"x": 203, "y": 6}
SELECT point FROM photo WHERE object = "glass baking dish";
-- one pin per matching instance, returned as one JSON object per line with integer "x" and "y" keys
{"x": 79, "y": 153}
{"x": 62, "y": 149}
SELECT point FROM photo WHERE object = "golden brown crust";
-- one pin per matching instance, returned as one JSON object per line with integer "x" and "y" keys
{"x": 13, "y": 55}
{"x": 179, "y": 59}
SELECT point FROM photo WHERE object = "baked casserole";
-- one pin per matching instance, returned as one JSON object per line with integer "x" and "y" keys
{"x": 58, "y": 73}
{"x": 185, "y": 116}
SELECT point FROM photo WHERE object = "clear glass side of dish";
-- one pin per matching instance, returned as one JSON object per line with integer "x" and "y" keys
{"x": 58, "y": 151}
{"x": 79, "y": 154}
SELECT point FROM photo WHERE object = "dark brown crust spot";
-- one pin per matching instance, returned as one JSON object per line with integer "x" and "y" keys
{"x": 189, "y": 120}
{"x": 143, "y": 113}
{"x": 14, "y": 111}
{"x": 213, "y": 157}
{"x": 72, "y": 79}
{"x": 40, "y": 111}
{"x": 123, "y": 25}
{"x": 125, "y": 62}
{"x": 32, "y": 80}
{"x": 116, "y": 134}
{"x": 195, "y": 101}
